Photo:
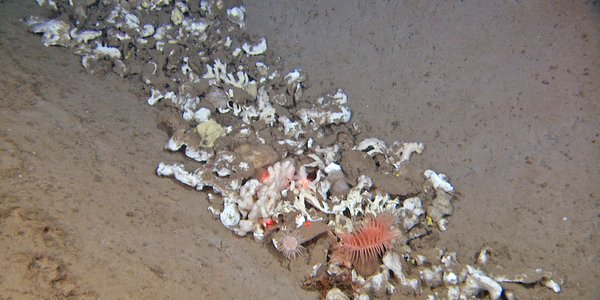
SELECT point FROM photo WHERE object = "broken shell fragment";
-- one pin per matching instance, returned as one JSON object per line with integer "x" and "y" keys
{"x": 202, "y": 115}
{"x": 438, "y": 181}
{"x": 477, "y": 281}
{"x": 372, "y": 146}
{"x": 294, "y": 81}
{"x": 551, "y": 284}
{"x": 419, "y": 259}
{"x": 411, "y": 212}
{"x": 54, "y": 32}
{"x": 441, "y": 206}
{"x": 484, "y": 256}
{"x": 236, "y": 15}
{"x": 147, "y": 30}
{"x": 401, "y": 152}
{"x": 230, "y": 216}
{"x": 82, "y": 37}
{"x": 336, "y": 294}
{"x": 535, "y": 276}
{"x": 176, "y": 16}
{"x": 443, "y": 224}
{"x": 378, "y": 284}
{"x": 329, "y": 110}
{"x": 392, "y": 261}
{"x": 432, "y": 277}
{"x": 450, "y": 278}
{"x": 395, "y": 154}
{"x": 255, "y": 49}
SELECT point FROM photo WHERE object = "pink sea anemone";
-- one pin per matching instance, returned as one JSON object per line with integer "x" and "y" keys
{"x": 364, "y": 246}
{"x": 289, "y": 244}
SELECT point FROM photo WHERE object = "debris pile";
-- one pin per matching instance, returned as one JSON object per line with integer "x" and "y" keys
{"x": 282, "y": 167}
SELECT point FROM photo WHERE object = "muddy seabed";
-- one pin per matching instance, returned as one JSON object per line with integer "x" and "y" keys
{"x": 504, "y": 96}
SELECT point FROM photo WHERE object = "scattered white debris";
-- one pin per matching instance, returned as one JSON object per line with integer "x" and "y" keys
{"x": 54, "y": 32}
{"x": 236, "y": 15}
{"x": 395, "y": 155}
{"x": 330, "y": 110}
{"x": 439, "y": 181}
{"x": 256, "y": 49}
{"x": 477, "y": 281}
{"x": 336, "y": 294}
{"x": 230, "y": 216}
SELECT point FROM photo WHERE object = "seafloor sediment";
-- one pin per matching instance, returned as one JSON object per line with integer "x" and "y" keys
{"x": 274, "y": 162}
